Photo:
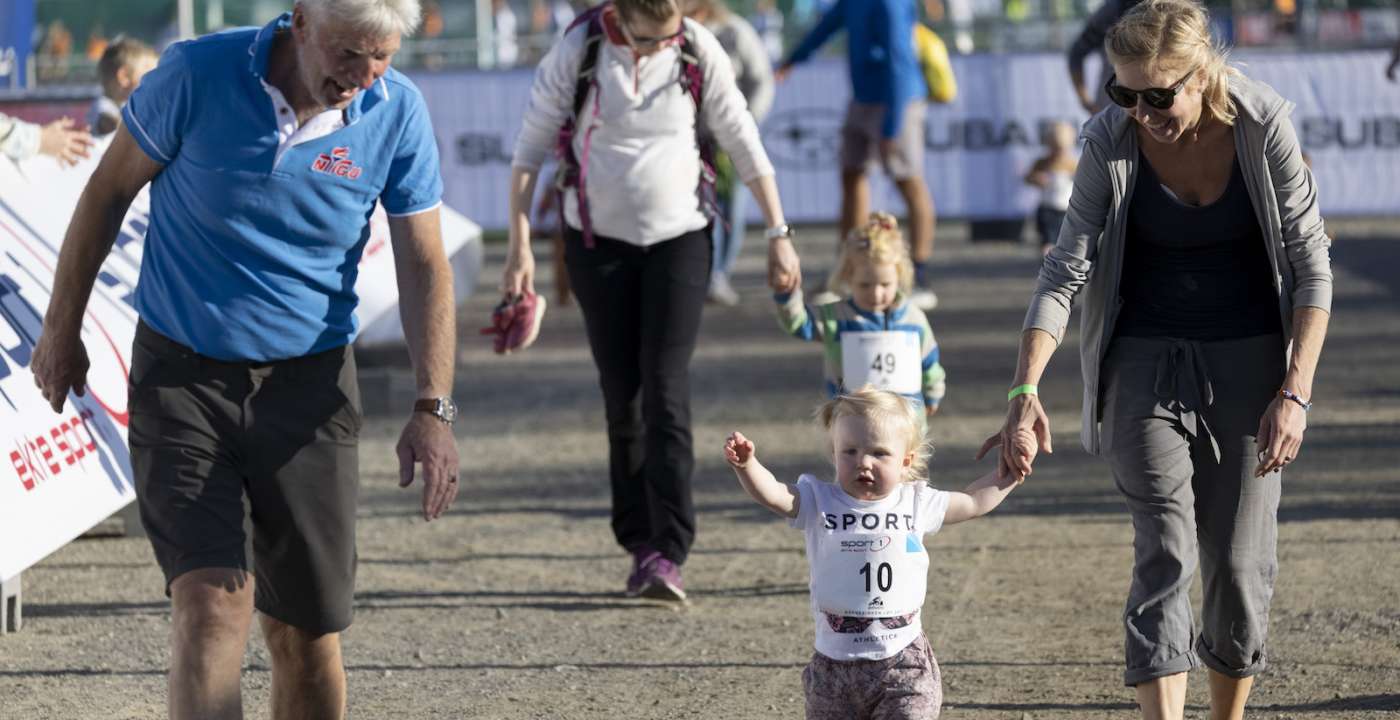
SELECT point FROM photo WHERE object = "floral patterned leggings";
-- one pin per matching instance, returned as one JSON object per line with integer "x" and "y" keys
{"x": 906, "y": 686}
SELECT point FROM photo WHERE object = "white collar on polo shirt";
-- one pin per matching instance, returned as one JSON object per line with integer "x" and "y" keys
{"x": 288, "y": 134}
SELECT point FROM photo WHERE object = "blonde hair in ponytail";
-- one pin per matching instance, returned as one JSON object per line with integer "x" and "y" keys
{"x": 879, "y": 241}
{"x": 1176, "y": 34}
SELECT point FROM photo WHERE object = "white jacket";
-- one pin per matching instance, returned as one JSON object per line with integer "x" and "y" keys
{"x": 644, "y": 165}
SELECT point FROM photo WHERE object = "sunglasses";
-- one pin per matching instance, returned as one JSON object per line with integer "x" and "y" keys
{"x": 1160, "y": 98}
{"x": 644, "y": 42}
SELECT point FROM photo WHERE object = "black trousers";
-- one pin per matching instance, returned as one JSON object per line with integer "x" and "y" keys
{"x": 641, "y": 307}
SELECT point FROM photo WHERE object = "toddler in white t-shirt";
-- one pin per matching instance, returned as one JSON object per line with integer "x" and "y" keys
{"x": 869, "y": 569}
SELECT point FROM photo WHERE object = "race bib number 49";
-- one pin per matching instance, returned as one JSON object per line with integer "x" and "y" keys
{"x": 886, "y": 360}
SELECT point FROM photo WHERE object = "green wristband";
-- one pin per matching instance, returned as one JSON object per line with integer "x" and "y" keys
{"x": 1021, "y": 390}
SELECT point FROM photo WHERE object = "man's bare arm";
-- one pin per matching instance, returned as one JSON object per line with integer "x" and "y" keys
{"x": 60, "y": 360}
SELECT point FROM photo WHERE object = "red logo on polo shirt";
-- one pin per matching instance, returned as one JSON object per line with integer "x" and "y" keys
{"x": 338, "y": 162}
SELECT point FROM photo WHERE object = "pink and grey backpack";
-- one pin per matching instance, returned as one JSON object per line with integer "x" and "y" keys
{"x": 573, "y": 171}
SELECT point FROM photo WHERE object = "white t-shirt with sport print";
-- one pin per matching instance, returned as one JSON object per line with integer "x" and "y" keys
{"x": 869, "y": 568}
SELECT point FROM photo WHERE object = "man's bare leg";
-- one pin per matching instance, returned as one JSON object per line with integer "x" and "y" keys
{"x": 308, "y": 677}
{"x": 855, "y": 202}
{"x": 212, "y": 609}
{"x": 921, "y": 217}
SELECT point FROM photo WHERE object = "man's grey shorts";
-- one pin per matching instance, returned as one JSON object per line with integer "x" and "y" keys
{"x": 206, "y": 433}
{"x": 861, "y": 137}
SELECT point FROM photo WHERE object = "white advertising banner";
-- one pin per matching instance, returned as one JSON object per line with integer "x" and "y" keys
{"x": 64, "y": 473}
{"x": 377, "y": 285}
{"x": 978, "y": 147}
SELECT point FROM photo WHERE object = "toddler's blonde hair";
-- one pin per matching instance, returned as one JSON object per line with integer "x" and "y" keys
{"x": 888, "y": 411}
{"x": 879, "y": 242}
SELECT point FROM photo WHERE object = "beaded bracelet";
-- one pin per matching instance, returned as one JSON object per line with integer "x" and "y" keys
{"x": 1290, "y": 395}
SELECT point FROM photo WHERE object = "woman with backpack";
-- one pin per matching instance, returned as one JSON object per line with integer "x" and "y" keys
{"x": 619, "y": 99}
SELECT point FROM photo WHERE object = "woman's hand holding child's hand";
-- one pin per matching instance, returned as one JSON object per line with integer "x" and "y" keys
{"x": 738, "y": 450}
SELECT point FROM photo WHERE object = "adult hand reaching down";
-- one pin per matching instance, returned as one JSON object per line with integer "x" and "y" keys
{"x": 428, "y": 441}
{"x": 60, "y": 365}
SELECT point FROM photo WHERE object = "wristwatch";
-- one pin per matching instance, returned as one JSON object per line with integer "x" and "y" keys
{"x": 779, "y": 231}
{"x": 441, "y": 408}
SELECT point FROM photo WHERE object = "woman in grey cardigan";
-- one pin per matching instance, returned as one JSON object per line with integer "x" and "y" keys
{"x": 1194, "y": 231}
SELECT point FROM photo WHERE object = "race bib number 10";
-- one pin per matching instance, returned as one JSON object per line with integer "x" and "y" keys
{"x": 886, "y": 360}
{"x": 872, "y": 575}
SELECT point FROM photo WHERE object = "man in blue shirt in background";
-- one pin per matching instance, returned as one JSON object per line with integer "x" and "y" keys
{"x": 267, "y": 150}
{"x": 885, "y": 119}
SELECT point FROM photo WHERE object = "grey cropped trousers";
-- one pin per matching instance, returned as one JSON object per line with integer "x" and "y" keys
{"x": 1179, "y": 423}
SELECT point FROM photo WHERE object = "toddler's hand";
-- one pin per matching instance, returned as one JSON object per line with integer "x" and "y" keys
{"x": 1025, "y": 446}
{"x": 738, "y": 450}
{"x": 930, "y": 411}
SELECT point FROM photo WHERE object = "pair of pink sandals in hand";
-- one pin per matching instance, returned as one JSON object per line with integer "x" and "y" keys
{"x": 516, "y": 322}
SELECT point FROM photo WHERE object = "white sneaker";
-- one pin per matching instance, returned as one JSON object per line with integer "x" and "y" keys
{"x": 924, "y": 299}
{"x": 722, "y": 292}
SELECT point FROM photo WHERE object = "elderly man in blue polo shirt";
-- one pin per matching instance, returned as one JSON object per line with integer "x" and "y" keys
{"x": 266, "y": 150}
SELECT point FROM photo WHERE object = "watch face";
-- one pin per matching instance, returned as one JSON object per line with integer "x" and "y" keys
{"x": 447, "y": 410}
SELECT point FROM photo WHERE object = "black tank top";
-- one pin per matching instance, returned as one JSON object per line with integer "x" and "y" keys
{"x": 1198, "y": 273}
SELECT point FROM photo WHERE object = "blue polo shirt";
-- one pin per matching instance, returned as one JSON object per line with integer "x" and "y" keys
{"x": 252, "y": 254}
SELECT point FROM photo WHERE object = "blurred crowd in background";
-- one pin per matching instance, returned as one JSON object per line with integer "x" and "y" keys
{"x": 502, "y": 34}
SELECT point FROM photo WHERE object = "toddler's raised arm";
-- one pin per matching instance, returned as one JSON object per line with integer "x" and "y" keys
{"x": 760, "y": 484}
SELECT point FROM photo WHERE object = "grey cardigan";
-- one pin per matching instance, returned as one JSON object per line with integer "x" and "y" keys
{"x": 1090, "y": 247}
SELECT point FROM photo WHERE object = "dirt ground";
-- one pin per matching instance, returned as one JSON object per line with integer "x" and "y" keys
{"x": 511, "y": 607}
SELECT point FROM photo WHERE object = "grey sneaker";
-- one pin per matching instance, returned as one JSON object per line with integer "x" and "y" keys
{"x": 721, "y": 291}
{"x": 662, "y": 579}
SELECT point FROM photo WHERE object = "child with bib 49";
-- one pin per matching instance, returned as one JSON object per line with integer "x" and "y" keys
{"x": 876, "y": 336}
{"x": 869, "y": 568}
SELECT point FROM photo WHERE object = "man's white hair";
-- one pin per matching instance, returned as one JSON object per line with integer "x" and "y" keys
{"x": 373, "y": 17}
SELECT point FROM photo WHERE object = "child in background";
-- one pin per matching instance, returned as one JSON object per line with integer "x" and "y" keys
{"x": 1053, "y": 173}
{"x": 869, "y": 568}
{"x": 123, "y": 64}
{"x": 876, "y": 336}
